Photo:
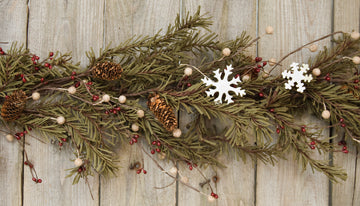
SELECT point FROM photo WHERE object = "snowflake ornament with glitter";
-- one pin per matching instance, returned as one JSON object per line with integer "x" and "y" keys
{"x": 297, "y": 75}
{"x": 223, "y": 86}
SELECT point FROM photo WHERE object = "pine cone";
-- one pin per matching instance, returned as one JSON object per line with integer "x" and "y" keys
{"x": 13, "y": 106}
{"x": 107, "y": 71}
{"x": 163, "y": 112}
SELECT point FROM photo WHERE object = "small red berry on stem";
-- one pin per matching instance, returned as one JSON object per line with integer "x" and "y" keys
{"x": 152, "y": 151}
{"x": 136, "y": 136}
{"x": 144, "y": 171}
{"x": 313, "y": 143}
{"x": 312, "y": 147}
{"x": 261, "y": 94}
{"x": 46, "y": 64}
{"x": 264, "y": 63}
{"x": 51, "y": 54}
{"x": 277, "y": 130}
{"x": 258, "y": 59}
{"x": 190, "y": 167}
{"x": 343, "y": 125}
{"x": 39, "y": 181}
{"x": 158, "y": 150}
{"x": 272, "y": 110}
{"x": 34, "y": 179}
{"x": 346, "y": 151}
{"x": 188, "y": 84}
{"x": 153, "y": 142}
{"x": 138, "y": 171}
{"x": 341, "y": 120}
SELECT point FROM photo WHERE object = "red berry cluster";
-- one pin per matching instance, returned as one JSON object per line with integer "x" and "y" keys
{"x": 191, "y": 166}
{"x": 61, "y": 142}
{"x": 327, "y": 77}
{"x": 184, "y": 81}
{"x": 81, "y": 169}
{"x": 134, "y": 139}
{"x": 344, "y": 148}
{"x": 342, "y": 124}
{"x": 95, "y": 98}
{"x": 1, "y": 51}
{"x": 32, "y": 170}
{"x": 157, "y": 144}
{"x": 19, "y": 135}
{"x": 115, "y": 110}
{"x": 139, "y": 171}
{"x": 303, "y": 128}
{"x": 356, "y": 81}
{"x": 278, "y": 129}
{"x": 260, "y": 65}
{"x": 216, "y": 196}
{"x": 312, "y": 144}
{"x": 73, "y": 75}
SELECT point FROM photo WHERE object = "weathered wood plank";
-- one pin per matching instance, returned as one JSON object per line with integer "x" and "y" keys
{"x": 12, "y": 28}
{"x": 236, "y": 183}
{"x": 123, "y": 20}
{"x": 65, "y": 26}
{"x": 346, "y": 18}
{"x": 295, "y": 23}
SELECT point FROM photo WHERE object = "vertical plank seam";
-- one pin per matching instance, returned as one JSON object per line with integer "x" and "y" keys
{"x": 23, "y": 146}
{"x": 103, "y": 45}
{"x": 177, "y": 163}
{"x": 331, "y": 141}
{"x": 353, "y": 195}
{"x": 257, "y": 54}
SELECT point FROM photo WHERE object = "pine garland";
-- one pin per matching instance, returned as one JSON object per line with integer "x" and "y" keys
{"x": 92, "y": 108}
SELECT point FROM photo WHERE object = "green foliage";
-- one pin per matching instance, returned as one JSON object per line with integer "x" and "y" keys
{"x": 155, "y": 64}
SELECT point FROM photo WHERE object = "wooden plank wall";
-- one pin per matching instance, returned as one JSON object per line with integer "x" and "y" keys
{"x": 77, "y": 25}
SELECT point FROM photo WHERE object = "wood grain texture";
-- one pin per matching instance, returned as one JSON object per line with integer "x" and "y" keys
{"x": 236, "y": 183}
{"x": 346, "y": 18}
{"x": 295, "y": 23}
{"x": 12, "y": 28}
{"x": 123, "y": 19}
{"x": 65, "y": 26}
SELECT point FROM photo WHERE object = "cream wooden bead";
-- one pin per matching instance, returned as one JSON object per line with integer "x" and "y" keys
{"x": 9, "y": 137}
{"x": 140, "y": 113}
{"x": 356, "y": 60}
{"x": 245, "y": 78}
{"x": 35, "y": 96}
{"x": 272, "y": 61}
{"x": 122, "y": 99}
{"x": 177, "y": 133}
{"x": 106, "y": 98}
{"x": 226, "y": 52}
{"x": 60, "y": 120}
{"x": 316, "y": 72}
{"x": 188, "y": 71}
{"x": 173, "y": 171}
{"x": 325, "y": 114}
{"x": 355, "y": 35}
{"x": 269, "y": 30}
{"x": 78, "y": 162}
{"x": 72, "y": 90}
{"x": 313, "y": 48}
{"x": 135, "y": 127}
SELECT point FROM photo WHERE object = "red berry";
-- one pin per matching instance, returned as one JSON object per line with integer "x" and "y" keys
{"x": 111, "y": 110}
{"x": 0, "y": 49}
{"x": 134, "y": 140}
{"x": 34, "y": 62}
{"x": 153, "y": 142}
{"x": 131, "y": 142}
{"x": 257, "y": 70}
{"x": 46, "y": 64}
{"x": 144, "y": 171}
{"x": 216, "y": 196}
{"x": 25, "y": 132}
{"x": 31, "y": 166}
{"x": 77, "y": 84}
{"x": 37, "y": 58}
{"x": 346, "y": 151}
{"x": 60, "y": 144}
{"x": 2, "y": 52}
{"x": 114, "y": 111}
{"x": 89, "y": 83}
{"x": 212, "y": 194}
{"x": 186, "y": 78}
{"x": 152, "y": 151}
{"x": 356, "y": 81}
{"x": 282, "y": 127}
{"x": 51, "y": 54}
{"x": 34, "y": 179}
{"x": 117, "y": 108}
{"x": 344, "y": 147}
{"x": 136, "y": 136}
{"x": 42, "y": 79}
{"x": 264, "y": 63}
{"x": 190, "y": 167}
{"x": 340, "y": 143}
{"x": 343, "y": 125}
{"x": 72, "y": 77}
{"x": 278, "y": 130}
{"x": 39, "y": 181}
{"x": 258, "y": 59}
{"x": 157, "y": 150}
{"x": 259, "y": 66}
{"x": 24, "y": 80}
{"x": 106, "y": 112}
{"x": 303, "y": 129}
{"x": 356, "y": 87}
{"x": 272, "y": 110}
{"x": 32, "y": 58}
{"x": 64, "y": 139}
{"x": 341, "y": 120}
{"x": 138, "y": 171}
{"x": 95, "y": 97}
{"x": 50, "y": 67}
{"x": 237, "y": 75}
{"x": 312, "y": 147}
{"x": 188, "y": 84}
{"x": 73, "y": 73}
{"x": 21, "y": 134}
{"x": 80, "y": 170}
{"x": 159, "y": 143}
{"x": 313, "y": 143}
{"x": 327, "y": 78}
{"x": 261, "y": 94}
{"x": 36, "y": 68}
{"x": 26, "y": 163}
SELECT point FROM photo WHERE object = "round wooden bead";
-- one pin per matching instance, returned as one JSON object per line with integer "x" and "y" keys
{"x": 313, "y": 48}
{"x": 140, "y": 113}
{"x": 135, "y": 127}
{"x": 188, "y": 71}
{"x": 106, "y": 98}
{"x": 60, "y": 120}
{"x": 177, "y": 133}
{"x": 173, "y": 171}
{"x": 356, "y": 60}
{"x": 122, "y": 99}
{"x": 355, "y": 35}
{"x": 9, "y": 137}
{"x": 35, "y": 96}
{"x": 246, "y": 78}
{"x": 316, "y": 72}
{"x": 226, "y": 52}
{"x": 72, "y": 90}
{"x": 325, "y": 114}
{"x": 78, "y": 162}
{"x": 272, "y": 61}
{"x": 269, "y": 30}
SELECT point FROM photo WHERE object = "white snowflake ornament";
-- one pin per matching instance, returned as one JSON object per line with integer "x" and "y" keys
{"x": 223, "y": 86}
{"x": 297, "y": 75}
